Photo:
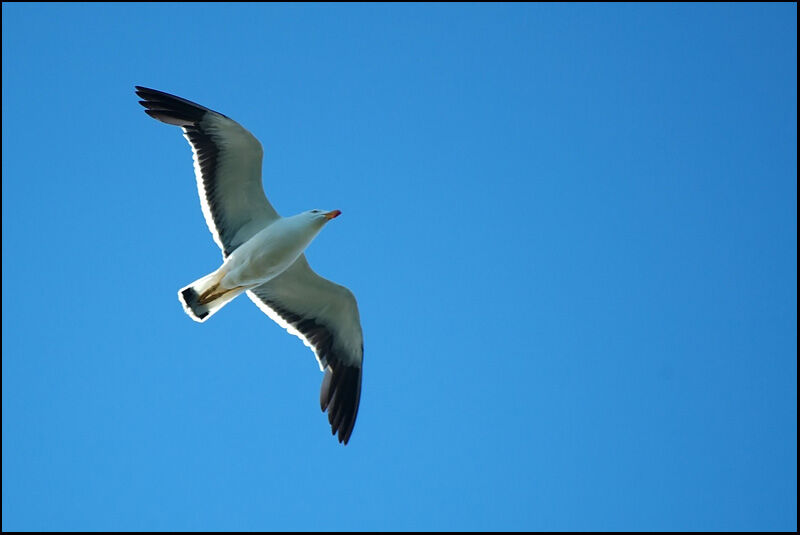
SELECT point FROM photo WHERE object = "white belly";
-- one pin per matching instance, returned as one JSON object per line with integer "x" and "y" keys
{"x": 265, "y": 256}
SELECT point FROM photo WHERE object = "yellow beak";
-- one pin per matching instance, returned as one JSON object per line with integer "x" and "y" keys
{"x": 331, "y": 215}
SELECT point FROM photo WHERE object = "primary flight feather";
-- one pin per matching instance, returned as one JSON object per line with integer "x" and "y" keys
{"x": 263, "y": 253}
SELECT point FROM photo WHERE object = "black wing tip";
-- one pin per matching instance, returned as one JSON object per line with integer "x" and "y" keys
{"x": 340, "y": 392}
{"x": 170, "y": 109}
{"x": 340, "y": 396}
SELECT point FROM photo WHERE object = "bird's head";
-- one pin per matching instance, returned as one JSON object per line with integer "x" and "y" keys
{"x": 322, "y": 216}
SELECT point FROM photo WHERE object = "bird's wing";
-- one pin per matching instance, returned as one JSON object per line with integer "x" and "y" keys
{"x": 324, "y": 315}
{"x": 227, "y": 166}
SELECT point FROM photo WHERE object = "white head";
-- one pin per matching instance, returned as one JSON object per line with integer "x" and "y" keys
{"x": 320, "y": 217}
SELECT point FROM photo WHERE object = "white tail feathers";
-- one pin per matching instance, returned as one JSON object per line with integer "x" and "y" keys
{"x": 202, "y": 298}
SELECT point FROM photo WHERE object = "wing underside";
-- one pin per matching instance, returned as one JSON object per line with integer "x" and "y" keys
{"x": 227, "y": 165}
{"x": 324, "y": 315}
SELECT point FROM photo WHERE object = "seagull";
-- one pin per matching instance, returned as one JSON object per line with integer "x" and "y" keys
{"x": 263, "y": 253}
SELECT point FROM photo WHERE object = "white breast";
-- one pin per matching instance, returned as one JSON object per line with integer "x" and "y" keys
{"x": 267, "y": 254}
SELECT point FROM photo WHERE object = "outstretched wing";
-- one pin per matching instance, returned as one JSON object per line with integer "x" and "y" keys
{"x": 227, "y": 166}
{"x": 324, "y": 315}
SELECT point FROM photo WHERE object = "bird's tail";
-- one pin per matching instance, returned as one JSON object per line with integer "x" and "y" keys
{"x": 202, "y": 298}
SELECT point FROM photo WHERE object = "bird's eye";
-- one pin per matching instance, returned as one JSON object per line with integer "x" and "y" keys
{"x": 314, "y": 211}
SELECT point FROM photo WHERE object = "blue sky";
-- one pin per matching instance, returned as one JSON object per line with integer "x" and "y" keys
{"x": 571, "y": 230}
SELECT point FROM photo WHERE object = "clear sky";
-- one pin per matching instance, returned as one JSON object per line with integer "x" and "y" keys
{"x": 571, "y": 231}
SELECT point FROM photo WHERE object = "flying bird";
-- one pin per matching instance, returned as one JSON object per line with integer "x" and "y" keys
{"x": 263, "y": 253}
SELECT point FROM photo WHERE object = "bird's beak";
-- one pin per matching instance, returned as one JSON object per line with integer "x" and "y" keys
{"x": 331, "y": 215}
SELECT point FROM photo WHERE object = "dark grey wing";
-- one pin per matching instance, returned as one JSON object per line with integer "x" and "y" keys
{"x": 227, "y": 166}
{"x": 324, "y": 315}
